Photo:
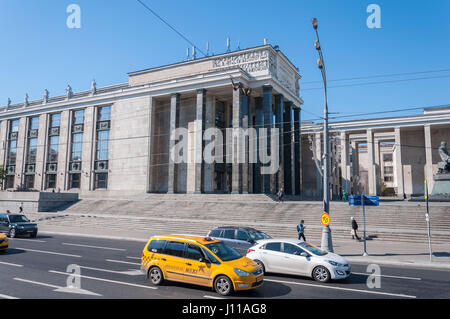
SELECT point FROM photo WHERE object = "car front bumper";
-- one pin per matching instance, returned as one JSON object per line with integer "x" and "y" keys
{"x": 341, "y": 272}
{"x": 248, "y": 283}
{"x": 26, "y": 231}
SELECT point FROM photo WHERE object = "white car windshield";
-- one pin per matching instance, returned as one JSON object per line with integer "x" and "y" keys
{"x": 312, "y": 249}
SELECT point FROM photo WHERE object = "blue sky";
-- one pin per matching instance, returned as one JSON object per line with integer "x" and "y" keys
{"x": 38, "y": 51}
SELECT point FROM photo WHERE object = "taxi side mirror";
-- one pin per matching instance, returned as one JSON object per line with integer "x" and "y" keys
{"x": 304, "y": 255}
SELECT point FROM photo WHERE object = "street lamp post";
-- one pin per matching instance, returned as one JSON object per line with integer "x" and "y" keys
{"x": 327, "y": 243}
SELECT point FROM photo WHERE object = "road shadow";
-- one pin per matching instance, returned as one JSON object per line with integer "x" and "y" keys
{"x": 268, "y": 290}
{"x": 13, "y": 251}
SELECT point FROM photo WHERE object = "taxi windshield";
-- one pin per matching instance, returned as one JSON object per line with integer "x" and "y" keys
{"x": 313, "y": 249}
{"x": 224, "y": 252}
{"x": 18, "y": 219}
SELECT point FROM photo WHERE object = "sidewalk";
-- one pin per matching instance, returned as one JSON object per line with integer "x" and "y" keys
{"x": 382, "y": 253}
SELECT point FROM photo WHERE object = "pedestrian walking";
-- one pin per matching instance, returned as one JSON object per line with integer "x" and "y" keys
{"x": 280, "y": 195}
{"x": 355, "y": 229}
{"x": 301, "y": 230}
{"x": 21, "y": 208}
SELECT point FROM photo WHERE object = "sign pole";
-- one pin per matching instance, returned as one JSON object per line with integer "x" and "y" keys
{"x": 427, "y": 217}
{"x": 364, "y": 221}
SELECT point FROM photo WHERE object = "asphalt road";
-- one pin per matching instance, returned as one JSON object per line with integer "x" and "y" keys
{"x": 37, "y": 269}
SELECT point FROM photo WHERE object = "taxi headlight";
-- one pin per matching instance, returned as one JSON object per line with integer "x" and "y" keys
{"x": 241, "y": 272}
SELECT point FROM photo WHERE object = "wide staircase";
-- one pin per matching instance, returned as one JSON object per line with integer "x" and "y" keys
{"x": 197, "y": 214}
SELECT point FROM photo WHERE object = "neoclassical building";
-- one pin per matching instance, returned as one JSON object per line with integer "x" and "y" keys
{"x": 399, "y": 153}
{"x": 118, "y": 139}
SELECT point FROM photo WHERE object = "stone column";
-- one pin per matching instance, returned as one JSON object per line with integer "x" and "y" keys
{"x": 259, "y": 123}
{"x": 236, "y": 181}
{"x": 174, "y": 105}
{"x": 88, "y": 156}
{"x": 355, "y": 168}
{"x": 429, "y": 158}
{"x": 151, "y": 133}
{"x": 297, "y": 151}
{"x": 41, "y": 152}
{"x": 398, "y": 163}
{"x": 268, "y": 120}
{"x": 245, "y": 115}
{"x": 377, "y": 166}
{"x": 3, "y": 142}
{"x": 210, "y": 117}
{"x": 287, "y": 148}
{"x": 344, "y": 163}
{"x": 21, "y": 151}
{"x": 371, "y": 163}
{"x": 252, "y": 144}
{"x": 63, "y": 151}
{"x": 279, "y": 119}
{"x": 199, "y": 127}
{"x": 319, "y": 179}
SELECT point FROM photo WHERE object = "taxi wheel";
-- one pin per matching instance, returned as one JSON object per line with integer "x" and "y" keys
{"x": 321, "y": 274}
{"x": 260, "y": 264}
{"x": 155, "y": 276}
{"x": 223, "y": 286}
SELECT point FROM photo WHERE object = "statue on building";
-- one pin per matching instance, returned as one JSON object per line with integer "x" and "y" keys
{"x": 46, "y": 95}
{"x": 69, "y": 92}
{"x": 444, "y": 166}
{"x": 26, "y": 102}
{"x": 8, "y": 104}
{"x": 93, "y": 87}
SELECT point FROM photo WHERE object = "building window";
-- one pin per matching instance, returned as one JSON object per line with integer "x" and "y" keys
{"x": 101, "y": 181}
{"x": 77, "y": 147}
{"x": 53, "y": 148}
{"x": 389, "y": 178}
{"x": 50, "y": 181}
{"x": 14, "y": 126}
{"x": 29, "y": 181}
{"x": 387, "y": 157}
{"x": 102, "y": 147}
{"x": 32, "y": 150}
{"x": 10, "y": 182}
{"x": 12, "y": 153}
{"x": 34, "y": 123}
{"x": 388, "y": 170}
{"x": 75, "y": 181}
{"x": 55, "y": 120}
{"x": 78, "y": 117}
{"x": 104, "y": 114}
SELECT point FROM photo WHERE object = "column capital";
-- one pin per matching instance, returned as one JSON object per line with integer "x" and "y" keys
{"x": 201, "y": 91}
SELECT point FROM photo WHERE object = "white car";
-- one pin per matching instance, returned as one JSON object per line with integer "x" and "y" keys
{"x": 293, "y": 257}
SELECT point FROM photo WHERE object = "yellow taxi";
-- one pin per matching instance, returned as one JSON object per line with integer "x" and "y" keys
{"x": 4, "y": 242}
{"x": 200, "y": 261}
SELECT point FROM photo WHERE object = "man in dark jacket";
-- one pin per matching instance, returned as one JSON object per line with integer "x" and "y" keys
{"x": 301, "y": 230}
{"x": 354, "y": 229}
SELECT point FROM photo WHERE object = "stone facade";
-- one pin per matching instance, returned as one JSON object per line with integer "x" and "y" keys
{"x": 411, "y": 144}
{"x": 124, "y": 141}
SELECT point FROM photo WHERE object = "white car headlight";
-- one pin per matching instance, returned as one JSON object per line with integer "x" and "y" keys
{"x": 333, "y": 263}
{"x": 241, "y": 272}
